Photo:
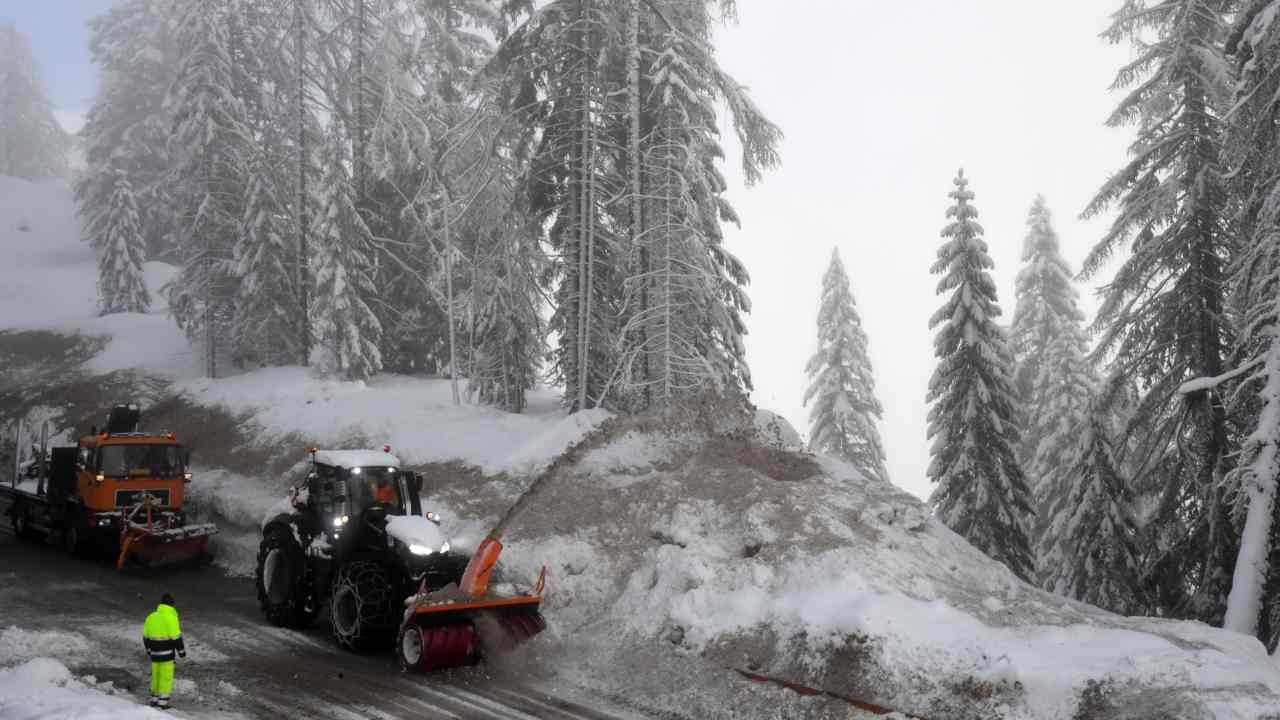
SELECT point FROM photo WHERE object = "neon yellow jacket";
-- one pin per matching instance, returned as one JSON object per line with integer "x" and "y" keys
{"x": 162, "y": 635}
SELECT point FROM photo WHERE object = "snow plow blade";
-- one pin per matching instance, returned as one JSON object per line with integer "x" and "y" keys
{"x": 455, "y": 625}
{"x": 165, "y": 547}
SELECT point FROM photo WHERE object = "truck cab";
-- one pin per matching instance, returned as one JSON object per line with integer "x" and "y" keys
{"x": 115, "y": 472}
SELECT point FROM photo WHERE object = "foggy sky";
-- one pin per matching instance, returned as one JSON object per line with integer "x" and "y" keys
{"x": 881, "y": 104}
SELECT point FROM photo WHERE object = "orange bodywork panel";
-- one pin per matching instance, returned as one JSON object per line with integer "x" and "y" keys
{"x": 475, "y": 579}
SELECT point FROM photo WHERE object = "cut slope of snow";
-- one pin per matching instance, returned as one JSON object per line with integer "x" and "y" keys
{"x": 824, "y": 577}
{"x": 43, "y": 689}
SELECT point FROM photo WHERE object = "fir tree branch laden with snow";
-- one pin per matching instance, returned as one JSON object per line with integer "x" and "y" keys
{"x": 1163, "y": 317}
{"x": 1253, "y": 155}
{"x": 973, "y": 421}
{"x": 117, "y": 235}
{"x": 1052, "y": 374}
{"x": 1092, "y": 552}
{"x": 347, "y": 331}
{"x": 845, "y": 409}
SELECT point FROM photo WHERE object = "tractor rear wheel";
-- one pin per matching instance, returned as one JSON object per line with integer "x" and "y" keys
{"x": 281, "y": 580}
{"x": 362, "y": 612}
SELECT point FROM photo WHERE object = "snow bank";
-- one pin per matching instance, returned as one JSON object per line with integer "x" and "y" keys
{"x": 801, "y": 568}
{"x": 43, "y": 689}
{"x": 18, "y": 645}
{"x": 415, "y": 416}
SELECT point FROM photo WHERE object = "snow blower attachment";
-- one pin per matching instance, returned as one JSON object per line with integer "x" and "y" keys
{"x": 444, "y": 629}
{"x": 447, "y": 628}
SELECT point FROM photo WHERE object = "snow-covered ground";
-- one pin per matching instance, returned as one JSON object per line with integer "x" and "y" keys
{"x": 673, "y": 555}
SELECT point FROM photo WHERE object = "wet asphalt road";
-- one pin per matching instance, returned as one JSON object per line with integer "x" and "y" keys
{"x": 241, "y": 665}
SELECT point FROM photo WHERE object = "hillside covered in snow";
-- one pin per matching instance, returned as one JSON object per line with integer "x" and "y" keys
{"x": 679, "y": 551}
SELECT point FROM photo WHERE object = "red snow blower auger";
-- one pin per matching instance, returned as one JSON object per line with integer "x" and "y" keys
{"x": 451, "y": 626}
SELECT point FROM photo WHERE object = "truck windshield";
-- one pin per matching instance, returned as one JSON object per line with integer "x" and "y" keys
{"x": 373, "y": 485}
{"x": 122, "y": 461}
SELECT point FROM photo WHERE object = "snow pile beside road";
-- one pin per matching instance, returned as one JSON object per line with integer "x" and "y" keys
{"x": 43, "y": 689}
{"x": 415, "y": 416}
{"x": 18, "y": 645}
{"x": 727, "y": 553}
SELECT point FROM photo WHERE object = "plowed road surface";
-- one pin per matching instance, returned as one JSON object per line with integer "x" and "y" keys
{"x": 241, "y": 666}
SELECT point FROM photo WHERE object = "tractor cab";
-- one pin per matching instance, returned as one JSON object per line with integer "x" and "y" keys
{"x": 345, "y": 487}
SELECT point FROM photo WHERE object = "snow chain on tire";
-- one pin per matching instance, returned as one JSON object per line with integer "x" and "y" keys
{"x": 361, "y": 608}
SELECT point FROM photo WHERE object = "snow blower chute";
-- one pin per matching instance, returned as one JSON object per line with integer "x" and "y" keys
{"x": 447, "y": 628}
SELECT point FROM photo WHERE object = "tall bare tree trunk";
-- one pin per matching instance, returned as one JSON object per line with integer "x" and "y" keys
{"x": 585, "y": 249}
{"x": 303, "y": 278}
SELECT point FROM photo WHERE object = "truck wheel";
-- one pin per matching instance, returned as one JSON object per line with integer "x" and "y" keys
{"x": 361, "y": 612}
{"x": 73, "y": 534}
{"x": 280, "y": 579}
{"x": 22, "y": 524}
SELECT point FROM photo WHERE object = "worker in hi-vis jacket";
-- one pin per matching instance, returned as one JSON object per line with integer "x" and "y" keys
{"x": 162, "y": 637}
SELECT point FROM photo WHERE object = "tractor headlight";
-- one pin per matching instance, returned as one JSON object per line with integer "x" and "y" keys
{"x": 340, "y": 521}
{"x": 420, "y": 549}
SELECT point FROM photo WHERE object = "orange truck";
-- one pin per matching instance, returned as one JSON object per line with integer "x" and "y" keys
{"x": 118, "y": 491}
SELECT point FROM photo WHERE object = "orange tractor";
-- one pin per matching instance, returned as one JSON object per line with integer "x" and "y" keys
{"x": 119, "y": 490}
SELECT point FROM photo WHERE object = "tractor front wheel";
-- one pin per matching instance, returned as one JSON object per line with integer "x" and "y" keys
{"x": 281, "y": 580}
{"x": 362, "y": 613}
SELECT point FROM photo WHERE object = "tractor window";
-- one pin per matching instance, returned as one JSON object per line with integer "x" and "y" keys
{"x": 374, "y": 485}
{"x": 153, "y": 461}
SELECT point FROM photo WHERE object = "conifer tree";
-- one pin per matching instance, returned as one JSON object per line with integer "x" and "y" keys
{"x": 1253, "y": 154}
{"x": 32, "y": 143}
{"x": 267, "y": 304}
{"x": 1045, "y": 308}
{"x": 1064, "y": 389}
{"x": 1093, "y": 555}
{"x": 1163, "y": 315}
{"x": 347, "y": 331}
{"x": 210, "y": 144}
{"x": 128, "y": 126}
{"x": 843, "y": 419}
{"x": 117, "y": 236}
{"x": 973, "y": 421}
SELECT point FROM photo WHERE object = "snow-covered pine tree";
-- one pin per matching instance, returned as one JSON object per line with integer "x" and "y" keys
{"x": 210, "y": 144}
{"x": 1253, "y": 154}
{"x": 1162, "y": 319}
{"x": 1060, "y": 405}
{"x": 32, "y": 143}
{"x": 128, "y": 127}
{"x": 347, "y": 332}
{"x": 557, "y": 87}
{"x": 973, "y": 423}
{"x": 267, "y": 304}
{"x": 1044, "y": 308}
{"x": 1093, "y": 555}
{"x": 1051, "y": 373}
{"x": 117, "y": 236}
{"x": 845, "y": 410}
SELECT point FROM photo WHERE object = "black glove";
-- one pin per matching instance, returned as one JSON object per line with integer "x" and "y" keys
{"x": 182, "y": 654}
